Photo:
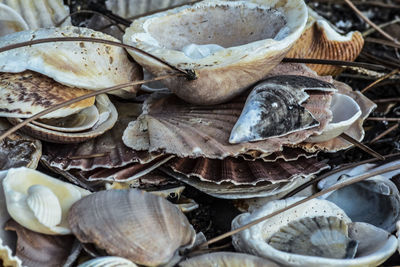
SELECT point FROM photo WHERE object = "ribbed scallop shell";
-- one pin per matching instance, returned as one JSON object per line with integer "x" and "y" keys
{"x": 319, "y": 236}
{"x": 170, "y": 125}
{"x": 132, "y": 224}
{"x": 10, "y": 21}
{"x": 41, "y": 13}
{"x": 320, "y": 41}
{"x": 108, "y": 262}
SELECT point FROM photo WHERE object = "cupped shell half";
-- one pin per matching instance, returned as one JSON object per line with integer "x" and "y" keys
{"x": 138, "y": 226}
{"x": 10, "y": 21}
{"x": 229, "y": 54}
{"x": 320, "y": 40}
{"x": 84, "y": 65}
{"x": 108, "y": 262}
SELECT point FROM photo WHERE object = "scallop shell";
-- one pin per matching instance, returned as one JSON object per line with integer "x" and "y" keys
{"x": 108, "y": 262}
{"x": 321, "y": 41}
{"x": 135, "y": 225}
{"x": 372, "y": 251}
{"x": 276, "y": 101}
{"x": 10, "y": 21}
{"x": 227, "y": 259}
{"x": 250, "y": 47}
{"x": 41, "y": 13}
{"x": 170, "y": 125}
{"x": 241, "y": 172}
{"x": 345, "y": 112}
{"x": 104, "y": 106}
{"x": 19, "y": 199}
{"x": 37, "y": 250}
{"x": 319, "y": 236}
{"x": 83, "y": 65}
{"x": 25, "y": 94}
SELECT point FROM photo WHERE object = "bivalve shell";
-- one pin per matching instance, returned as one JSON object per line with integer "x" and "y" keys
{"x": 10, "y": 21}
{"x": 108, "y": 262}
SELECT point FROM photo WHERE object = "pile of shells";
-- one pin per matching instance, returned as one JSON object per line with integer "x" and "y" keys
{"x": 239, "y": 125}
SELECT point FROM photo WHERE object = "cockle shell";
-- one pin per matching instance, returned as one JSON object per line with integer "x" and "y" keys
{"x": 319, "y": 236}
{"x": 33, "y": 207}
{"x": 84, "y": 65}
{"x": 138, "y": 226}
{"x": 251, "y": 46}
{"x": 108, "y": 262}
{"x": 227, "y": 259}
{"x": 273, "y": 109}
{"x": 321, "y": 41}
{"x": 10, "y": 21}
{"x": 175, "y": 127}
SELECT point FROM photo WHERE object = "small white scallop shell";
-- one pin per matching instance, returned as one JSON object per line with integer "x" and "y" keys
{"x": 108, "y": 262}
{"x": 10, "y": 21}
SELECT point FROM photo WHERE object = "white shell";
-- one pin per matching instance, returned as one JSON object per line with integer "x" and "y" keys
{"x": 371, "y": 251}
{"x": 108, "y": 262}
{"x": 345, "y": 112}
{"x": 10, "y": 21}
{"x": 19, "y": 202}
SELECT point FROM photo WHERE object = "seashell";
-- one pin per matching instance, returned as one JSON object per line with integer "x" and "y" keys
{"x": 108, "y": 262}
{"x": 251, "y": 47}
{"x": 319, "y": 236}
{"x": 30, "y": 93}
{"x": 298, "y": 69}
{"x": 18, "y": 150}
{"x": 287, "y": 154}
{"x": 320, "y": 40}
{"x": 10, "y": 21}
{"x": 104, "y": 106}
{"x": 227, "y": 259}
{"x": 135, "y": 225}
{"x": 29, "y": 206}
{"x": 242, "y": 172}
{"x": 83, "y": 65}
{"x": 170, "y": 125}
{"x": 41, "y": 14}
{"x": 276, "y": 101}
{"x": 356, "y": 130}
{"x": 345, "y": 112}
{"x": 151, "y": 87}
{"x": 36, "y": 250}
{"x": 372, "y": 251}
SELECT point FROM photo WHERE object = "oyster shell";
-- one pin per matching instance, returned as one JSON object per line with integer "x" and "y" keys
{"x": 84, "y": 65}
{"x": 32, "y": 213}
{"x": 251, "y": 46}
{"x": 10, "y": 21}
{"x": 276, "y": 101}
{"x": 227, "y": 259}
{"x": 319, "y": 236}
{"x": 108, "y": 118}
{"x": 136, "y": 225}
{"x": 320, "y": 40}
{"x": 170, "y": 125}
{"x": 108, "y": 262}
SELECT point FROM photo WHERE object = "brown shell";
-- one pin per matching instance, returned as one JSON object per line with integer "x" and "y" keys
{"x": 37, "y": 250}
{"x": 242, "y": 172}
{"x": 132, "y": 224}
{"x": 315, "y": 44}
{"x": 173, "y": 126}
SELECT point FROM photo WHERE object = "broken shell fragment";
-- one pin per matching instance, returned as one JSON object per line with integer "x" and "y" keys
{"x": 321, "y": 41}
{"x": 85, "y": 65}
{"x": 30, "y": 204}
{"x": 251, "y": 47}
{"x": 138, "y": 226}
{"x": 10, "y": 21}
{"x": 276, "y": 101}
{"x": 108, "y": 262}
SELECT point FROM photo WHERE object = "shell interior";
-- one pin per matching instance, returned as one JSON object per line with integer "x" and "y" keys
{"x": 108, "y": 262}
{"x": 10, "y": 21}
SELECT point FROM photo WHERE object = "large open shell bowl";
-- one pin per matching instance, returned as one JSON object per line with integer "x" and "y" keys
{"x": 247, "y": 48}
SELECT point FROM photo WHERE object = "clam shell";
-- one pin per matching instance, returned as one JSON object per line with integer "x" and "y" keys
{"x": 170, "y": 125}
{"x": 227, "y": 259}
{"x": 10, "y": 21}
{"x": 108, "y": 262}
{"x": 297, "y": 69}
{"x": 41, "y": 13}
{"x": 77, "y": 64}
{"x": 19, "y": 200}
{"x": 104, "y": 106}
{"x": 132, "y": 224}
{"x": 276, "y": 101}
{"x": 321, "y": 41}
{"x": 251, "y": 47}
{"x": 319, "y": 236}
{"x": 37, "y": 250}
{"x": 25, "y": 94}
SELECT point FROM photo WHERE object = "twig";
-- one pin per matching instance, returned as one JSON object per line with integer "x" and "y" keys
{"x": 333, "y": 62}
{"x": 387, "y": 100}
{"x": 382, "y": 119}
{"x": 91, "y": 156}
{"x": 383, "y": 25}
{"x": 363, "y": 147}
{"x": 321, "y": 193}
{"x": 386, "y": 35}
{"x": 382, "y": 42}
{"x": 388, "y": 131}
{"x": 394, "y": 72}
